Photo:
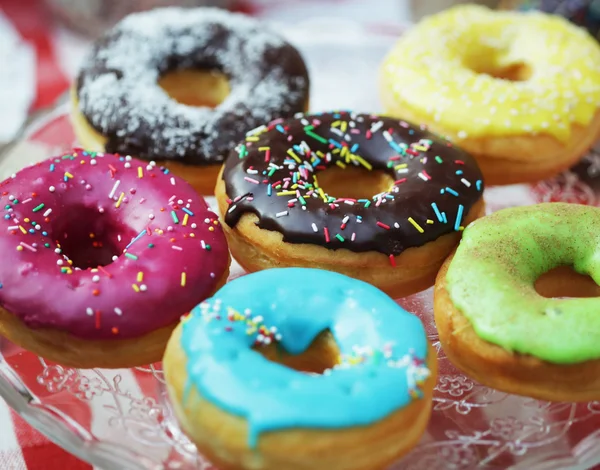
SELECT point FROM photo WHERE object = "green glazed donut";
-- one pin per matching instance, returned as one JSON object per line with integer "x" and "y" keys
{"x": 487, "y": 304}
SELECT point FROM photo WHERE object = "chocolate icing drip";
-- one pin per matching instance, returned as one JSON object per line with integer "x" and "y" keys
{"x": 120, "y": 98}
{"x": 436, "y": 184}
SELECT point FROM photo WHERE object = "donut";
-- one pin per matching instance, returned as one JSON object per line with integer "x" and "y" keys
{"x": 392, "y": 210}
{"x": 519, "y": 91}
{"x": 584, "y": 13}
{"x": 182, "y": 86}
{"x": 499, "y": 302}
{"x": 101, "y": 255}
{"x": 345, "y": 382}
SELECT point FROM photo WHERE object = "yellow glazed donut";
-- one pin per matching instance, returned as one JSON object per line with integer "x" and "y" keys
{"x": 519, "y": 91}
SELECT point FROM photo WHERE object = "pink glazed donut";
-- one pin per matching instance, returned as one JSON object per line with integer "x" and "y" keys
{"x": 101, "y": 256}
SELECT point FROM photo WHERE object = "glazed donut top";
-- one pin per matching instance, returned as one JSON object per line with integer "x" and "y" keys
{"x": 274, "y": 174}
{"x": 119, "y": 95}
{"x": 443, "y": 70}
{"x": 383, "y": 350}
{"x": 491, "y": 280}
{"x": 102, "y": 246}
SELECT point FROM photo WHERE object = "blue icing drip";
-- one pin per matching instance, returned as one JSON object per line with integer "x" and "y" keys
{"x": 301, "y": 303}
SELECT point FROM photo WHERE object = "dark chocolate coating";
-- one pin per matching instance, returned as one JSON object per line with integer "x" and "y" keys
{"x": 430, "y": 170}
{"x": 119, "y": 96}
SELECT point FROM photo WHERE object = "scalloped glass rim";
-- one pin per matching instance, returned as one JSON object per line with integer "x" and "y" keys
{"x": 471, "y": 425}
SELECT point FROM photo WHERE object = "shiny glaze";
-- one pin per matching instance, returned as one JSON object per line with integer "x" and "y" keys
{"x": 61, "y": 210}
{"x": 382, "y": 351}
{"x": 438, "y": 70}
{"x": 119, "y": 95}
{"x": 491, "y": 280}
{"x": 272, "y": 174}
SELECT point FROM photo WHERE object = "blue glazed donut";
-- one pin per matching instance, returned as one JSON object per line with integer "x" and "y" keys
{"x": 238, "y": 401}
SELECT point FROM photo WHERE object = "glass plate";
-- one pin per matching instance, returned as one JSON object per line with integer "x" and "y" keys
{"x": 120, "y": 419}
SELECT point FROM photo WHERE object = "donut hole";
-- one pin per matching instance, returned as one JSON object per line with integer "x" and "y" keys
{"x": 196, "y": 88}
{"x": 564, "y": 282}
{"x": 354, "y": 182}
{"x": 488, "y": 61}
{"x": 322, "y": 354}
{"x": 88, "y": 238}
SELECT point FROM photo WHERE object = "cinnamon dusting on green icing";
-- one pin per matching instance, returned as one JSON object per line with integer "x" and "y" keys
{"x": 492, "y": 275}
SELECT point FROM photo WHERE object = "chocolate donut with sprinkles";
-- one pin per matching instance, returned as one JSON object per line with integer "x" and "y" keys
{"x": 182, "y": 86}
{"x": 371, "y": 197}
{"x": 102, "y": 255}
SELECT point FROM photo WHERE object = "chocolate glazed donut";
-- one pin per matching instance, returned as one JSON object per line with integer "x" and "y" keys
{"x": 117, "y": 89}
{"x": 274, "y": 175}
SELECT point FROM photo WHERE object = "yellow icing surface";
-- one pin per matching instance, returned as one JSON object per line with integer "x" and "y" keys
{"x": 446, "y": 70}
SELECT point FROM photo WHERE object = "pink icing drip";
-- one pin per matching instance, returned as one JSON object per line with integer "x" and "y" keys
{"x": 102, "y": 303}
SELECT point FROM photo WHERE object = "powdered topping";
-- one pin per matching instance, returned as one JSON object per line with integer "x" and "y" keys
{"x": 103, "y": 246}
{"x": 119, "y": 96}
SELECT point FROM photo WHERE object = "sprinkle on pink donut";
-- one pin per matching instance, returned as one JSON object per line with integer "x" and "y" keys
{"x": 104, "y": 246}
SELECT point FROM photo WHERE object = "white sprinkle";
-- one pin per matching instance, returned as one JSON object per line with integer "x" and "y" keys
{"x": 96, "y": 278}
{"x": 93, "y": 161}
{"x": 57, "y": 250}
{"x": 172, "y": 181}
{"x": 143, "y": 287}
{"x": 118, "y": 311}
{"x": 396, "y": 225}
{"x": 465, "y": 182}
{"x": 375, "y": 127}
{"x": 127, "y": 165}
{"x": 194, "y": 225}
{"x": 114, "y": 189}
{"x": 151, "y": 216}
{"x": 115, "y": 258}
{"x": 314, "y": 227}
{"x": 232, "y": 208}
{"x": 89, "y": 311}
{"x": 60, "y": 262}
{"x": 128, "y": 158}
{"x": 281, "y": 214}
{"x": 175, "y": 247}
